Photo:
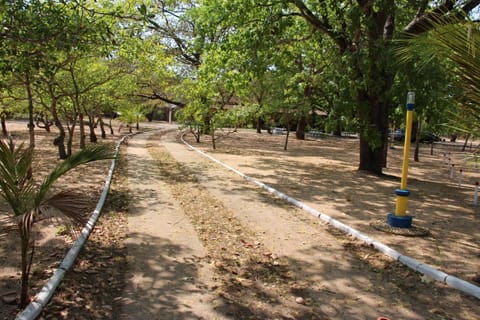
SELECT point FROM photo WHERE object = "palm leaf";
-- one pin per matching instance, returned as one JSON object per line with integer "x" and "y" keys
{"x": 89, "y": 154}
{"x": 17, "y": 189}
{"x": 70, "y": 204}
{"x": 454, "y": 40}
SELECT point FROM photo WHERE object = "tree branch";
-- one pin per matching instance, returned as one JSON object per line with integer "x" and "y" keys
{"x": 322, "y": 26}
{"x": 422, "y": 21}
{"x": 155, "y": 96}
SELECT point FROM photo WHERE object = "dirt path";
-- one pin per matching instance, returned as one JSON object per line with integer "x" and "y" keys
{"x": 167, "y": 279}
{"x": 270, "y": 260}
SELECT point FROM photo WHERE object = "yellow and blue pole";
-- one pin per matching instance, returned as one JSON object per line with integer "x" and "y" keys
{"x": 400, "y": 219}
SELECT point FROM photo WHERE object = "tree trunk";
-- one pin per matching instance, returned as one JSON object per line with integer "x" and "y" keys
{"x": 373, "y": 133}
{"x": 212, "y": 133}
{"x": 259, "y": 125}
{"x": 370, "y": 159}
{"x": 466, "y": 142}
{"x": 111, "y": 127}
{"x": 31, "y": 124}
{"x": 4, "y": 124}
{"x": 337, "y": 131}
{"x": 286, "y": 140}
{"x": 25, "y": 239}
{"x": 71, "y": 129}
{"x": 301, "y": 125}
{"x": 91, "y": 127}
{"x": 374, "y": 101}
{"x": 416, "y": 155}
{"x": 82, "y": 130}
{"x": 42, "y": 122}
{"x": 385, "y": 152}
{"x": 59, "y": 141}
{"x": 102, "y": 128}
{"x": 197, "y": 136}
{"x": 288, "y": 132}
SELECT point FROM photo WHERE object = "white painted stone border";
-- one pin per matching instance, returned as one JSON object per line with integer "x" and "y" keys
{"x": 418, "y": 266}
{"x": 33, "y": 310}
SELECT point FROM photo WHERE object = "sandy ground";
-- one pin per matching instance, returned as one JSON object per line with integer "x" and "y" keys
{"x": 338, "y": 282}
{"x": 323, "y": 174}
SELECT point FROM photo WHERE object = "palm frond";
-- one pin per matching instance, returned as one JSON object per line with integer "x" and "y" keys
{"x": 89, "y": 154}
{"x": 70, "y": 204}
{"x": 456, "y": 41}
{"x": 15, "y": 185}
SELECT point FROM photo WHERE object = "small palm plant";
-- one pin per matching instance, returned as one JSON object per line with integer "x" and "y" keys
{"x": 130, "y": 116}
{"x": 28, "y": 200}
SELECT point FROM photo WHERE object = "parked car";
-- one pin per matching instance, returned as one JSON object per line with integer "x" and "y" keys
{"x": 399, "y": 135}
{"x": 429, "y": 137}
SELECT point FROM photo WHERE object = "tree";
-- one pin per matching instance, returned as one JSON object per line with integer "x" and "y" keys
{"x": 28, "y": 200}
{"x": 177, "y": 39}
{"x": 433, "y": 86}
{"x": 361, "y": 32}
{"x": 42, "y": 37}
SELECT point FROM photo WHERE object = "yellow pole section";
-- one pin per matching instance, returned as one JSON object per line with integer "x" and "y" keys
{"x": 401, "y": 205}
{"x": 406, "y": 150}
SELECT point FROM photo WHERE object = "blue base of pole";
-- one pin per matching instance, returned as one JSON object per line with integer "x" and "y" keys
{"x": 399, "y": 221}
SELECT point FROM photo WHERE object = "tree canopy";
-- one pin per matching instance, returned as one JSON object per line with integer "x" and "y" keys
{"x": 324, "y": 65}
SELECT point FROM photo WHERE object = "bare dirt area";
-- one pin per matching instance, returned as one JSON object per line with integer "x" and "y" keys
{"x": 322, "y": 173}
{"x": 52, "y": 238}
{"x": 183, "y": 238}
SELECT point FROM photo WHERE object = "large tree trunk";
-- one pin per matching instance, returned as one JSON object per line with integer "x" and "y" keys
{"x": 370, "y": 159}
{"x": 301, "y": 125}
{"x": 374, "y": 102}
{"x": 373, "y": 135}
{"x": 259, "y": 124}
{"x": 338, "y": 129}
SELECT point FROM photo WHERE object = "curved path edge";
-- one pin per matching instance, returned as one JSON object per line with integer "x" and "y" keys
{"x": 413, "y": 264}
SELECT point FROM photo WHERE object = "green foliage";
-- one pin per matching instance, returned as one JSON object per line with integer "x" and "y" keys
{"x": 451, "y": 44}
{"x": 63, "y": 230}
{"x": 131, "y": 114}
